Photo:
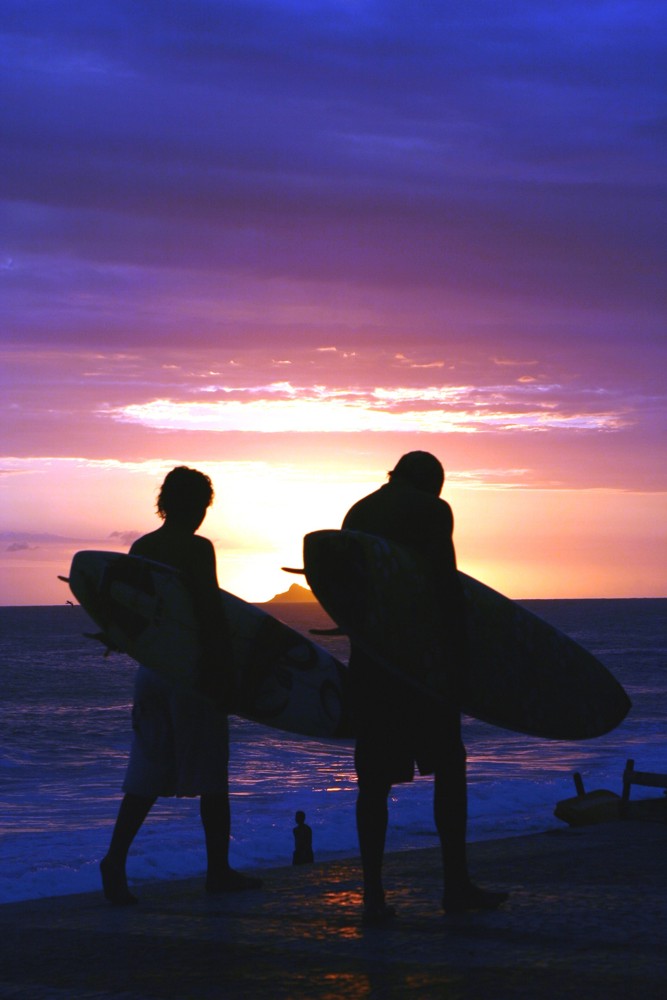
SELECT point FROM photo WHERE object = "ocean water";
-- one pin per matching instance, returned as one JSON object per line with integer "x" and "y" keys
{"x": 65, "y": 733}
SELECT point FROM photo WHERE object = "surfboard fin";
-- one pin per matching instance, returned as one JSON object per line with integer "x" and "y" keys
{"x": 105, "y": 640}
{"x": 292, "y": 569}
{"x": 65, "y": 579}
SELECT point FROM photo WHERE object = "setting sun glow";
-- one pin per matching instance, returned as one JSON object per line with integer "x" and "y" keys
{"x": 287, "y": 247}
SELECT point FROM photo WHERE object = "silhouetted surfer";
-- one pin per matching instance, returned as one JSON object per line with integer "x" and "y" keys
{"x": 398, "y": 726}
{"x": 180, "y": 744}
{"x": 303, "y": 840}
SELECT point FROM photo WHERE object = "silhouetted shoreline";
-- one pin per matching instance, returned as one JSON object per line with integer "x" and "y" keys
{"x": 586, "y": 917}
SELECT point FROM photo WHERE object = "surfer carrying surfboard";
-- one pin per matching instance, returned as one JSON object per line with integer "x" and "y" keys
{"x": 180, "y": 742}
{"x": 398, "y": 726}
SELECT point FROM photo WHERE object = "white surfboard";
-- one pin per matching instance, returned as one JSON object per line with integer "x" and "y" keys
{"x": 143, "y": 609}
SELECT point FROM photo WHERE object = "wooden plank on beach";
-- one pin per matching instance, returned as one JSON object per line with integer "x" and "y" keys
{"x": 647, "y": 779}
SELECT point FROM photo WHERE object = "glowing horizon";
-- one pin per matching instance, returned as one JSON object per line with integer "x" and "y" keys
{"x": 288, "y": 248}
{"x": 251, "y": 548}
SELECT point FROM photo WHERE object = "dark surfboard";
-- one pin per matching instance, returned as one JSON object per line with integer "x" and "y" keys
{"x": 523, "y": 675}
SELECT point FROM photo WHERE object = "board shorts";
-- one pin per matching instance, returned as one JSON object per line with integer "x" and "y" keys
{"x": 398, "y": 729}
{"x": 180, "y": 742}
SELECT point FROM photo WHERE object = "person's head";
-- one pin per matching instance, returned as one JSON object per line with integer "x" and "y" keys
{"x": 185, "y": 496}
{"x": 300, "y": 817}
{"x": 421, "y": 470}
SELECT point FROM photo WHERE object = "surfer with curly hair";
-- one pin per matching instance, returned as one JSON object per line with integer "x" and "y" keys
{"x": 180, "y": 743}
{"x": 398, "y": 726}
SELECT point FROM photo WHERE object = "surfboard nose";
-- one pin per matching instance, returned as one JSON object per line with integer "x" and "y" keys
{"x": 336, "y": 570}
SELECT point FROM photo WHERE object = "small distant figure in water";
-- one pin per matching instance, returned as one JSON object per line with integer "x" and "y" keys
{"x": 303, "y": 841}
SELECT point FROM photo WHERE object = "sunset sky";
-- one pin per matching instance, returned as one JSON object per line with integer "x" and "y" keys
{"x": 286, "y": 242}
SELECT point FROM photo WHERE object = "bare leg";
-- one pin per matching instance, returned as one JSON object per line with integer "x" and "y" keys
{"x": 132, "y": 812}
{"x": 450, "y": 811}
{"x": 215, "y": 817}
{"x": 372, "y": 818}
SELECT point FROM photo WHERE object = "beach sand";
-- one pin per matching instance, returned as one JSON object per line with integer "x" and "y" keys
{"x": 587, "y": 917}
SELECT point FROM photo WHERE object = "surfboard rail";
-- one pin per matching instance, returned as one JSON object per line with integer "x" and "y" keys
{"x": 284, "y": 679}
{"x": 522, "y": 673}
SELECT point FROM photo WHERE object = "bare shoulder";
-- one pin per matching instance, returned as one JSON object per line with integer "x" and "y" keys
{"x": 202, "y": 550}
{"x": 443, "y": 508}
{"x": 202, "y": 543}
{"x": 146, "y": 545}
{"x": 193, "y": 555}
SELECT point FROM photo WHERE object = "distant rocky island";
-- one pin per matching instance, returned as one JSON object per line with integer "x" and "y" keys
{"x": 295, "y": 595}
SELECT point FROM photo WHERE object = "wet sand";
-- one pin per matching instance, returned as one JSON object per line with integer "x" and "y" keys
{"x": 587, "y": 917}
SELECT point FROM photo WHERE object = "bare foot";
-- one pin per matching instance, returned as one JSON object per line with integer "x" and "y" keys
{"x": 377, "y": 914}
{"x": 114, "y": 884}
{"x": 232, "y": 881}
{"x": 471, "y": 897}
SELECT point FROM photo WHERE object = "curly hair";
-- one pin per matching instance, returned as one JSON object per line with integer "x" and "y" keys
{"x": 184, "y": 490}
